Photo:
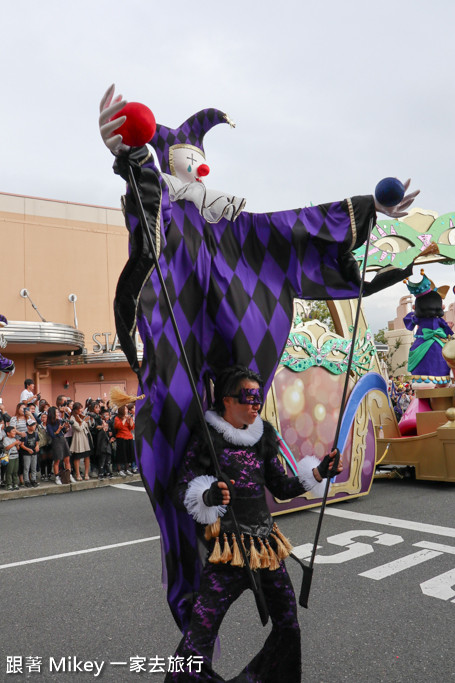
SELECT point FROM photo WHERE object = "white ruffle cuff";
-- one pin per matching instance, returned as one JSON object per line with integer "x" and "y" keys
{"x": 306, "y": 477}
{"x": 194, "y": 502}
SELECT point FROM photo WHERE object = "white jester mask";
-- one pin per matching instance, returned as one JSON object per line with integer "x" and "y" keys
{"x": 180, "y": 150}
{"x": 187, "y": 163}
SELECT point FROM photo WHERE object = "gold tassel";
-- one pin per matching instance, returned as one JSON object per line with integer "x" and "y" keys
{"x": 215, "y": 557}
{"x": 281, "y": 551}
{"x": 255, "y": 559}
{"x": 264, "y": 556}
{"x": 285, "y": 541}
{"x": 120, "y": 398}
{"x": 274, "y": 561}
{"x": 227, "y": 552}
{"x": 216, "y": 528}
{"x": 212, "y": 530}
{"x": 242, "y": 538}
{"x": 237, "y": 559}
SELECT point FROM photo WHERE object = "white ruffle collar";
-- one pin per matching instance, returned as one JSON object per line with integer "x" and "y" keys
{"x": 211, "y": 204}
{"x": 238, "y": 437}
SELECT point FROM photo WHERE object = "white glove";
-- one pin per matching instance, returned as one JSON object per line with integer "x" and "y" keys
{"x": 399, "y": 210}
{"x": 109, "y": 107}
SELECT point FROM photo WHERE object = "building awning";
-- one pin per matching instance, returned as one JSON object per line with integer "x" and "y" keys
{"x": 38, "y": 337}
{"x": 113, "y": 359}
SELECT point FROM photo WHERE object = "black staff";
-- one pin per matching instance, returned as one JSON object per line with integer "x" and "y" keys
{"x": 308, "y": 569}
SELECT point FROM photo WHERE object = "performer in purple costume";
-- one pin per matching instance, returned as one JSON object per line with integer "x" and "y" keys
{"x": 425, "y": 355}
{"x": 247, "y": 448}
{"x": 231, "y": 277}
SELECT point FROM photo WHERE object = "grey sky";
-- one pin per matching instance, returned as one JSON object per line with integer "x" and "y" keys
{"x": 328, "y": 97}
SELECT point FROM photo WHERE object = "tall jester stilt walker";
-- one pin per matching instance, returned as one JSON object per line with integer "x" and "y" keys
{"x": 231, "y": 277}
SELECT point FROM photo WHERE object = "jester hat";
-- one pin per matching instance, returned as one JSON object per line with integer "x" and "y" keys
{"x": 189, "y": 134}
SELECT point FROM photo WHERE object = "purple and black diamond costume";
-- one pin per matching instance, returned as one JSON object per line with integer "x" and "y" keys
{"x": 231, "y": 277}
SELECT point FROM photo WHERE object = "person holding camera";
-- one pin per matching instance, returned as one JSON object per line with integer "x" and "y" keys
{"x": 104, "y": 446}
{"x": 45, "y": 448}
{"x": 123, "y": 427}
{"x": 10, "y": 446}
{"x": 19, "y": 422}
{"x": 95, "y": 425}
{"x": 57, "y": 425}
{"x": 65, "y": 406}
{"x": 43, "y": 407}
{"x": 81, "y": 448}
{"x": 62, "y": 405}
{"x": 28, "y": 395}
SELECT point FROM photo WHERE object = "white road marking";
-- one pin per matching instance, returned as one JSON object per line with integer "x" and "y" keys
{"x": 391, "y": 522}
{"x": 441, "y": 586}
{"x": 400, "y": 565}
{"x": 128, "y": 487}
{"x": 78, "y": 552}
{"x": 436, "y": 546}
{"x": 353, "y": 549}
{"x": 346, "y": 538}
{"x": 304, "y": 552}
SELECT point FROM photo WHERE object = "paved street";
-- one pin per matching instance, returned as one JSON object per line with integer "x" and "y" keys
{"x": 80, "y": 578}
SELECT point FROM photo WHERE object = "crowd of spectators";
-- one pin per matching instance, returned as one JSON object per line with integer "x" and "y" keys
{"x": 69, "y": 442}
{"x": 65, "y": 442}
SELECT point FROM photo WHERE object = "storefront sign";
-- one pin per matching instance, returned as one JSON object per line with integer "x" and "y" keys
{"x": 103, "y": 343}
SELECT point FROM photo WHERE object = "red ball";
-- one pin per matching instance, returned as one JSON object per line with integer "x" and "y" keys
{"x": 140, "y": 125}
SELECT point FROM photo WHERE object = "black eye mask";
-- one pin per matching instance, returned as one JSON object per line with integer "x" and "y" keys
{"x": 249, "y": 396}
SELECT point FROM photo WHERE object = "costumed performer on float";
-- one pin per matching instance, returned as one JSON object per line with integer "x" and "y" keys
{"x": 232, "y": 277}
{"x": 248, "y": 450}
{"x": 425, "y": 358}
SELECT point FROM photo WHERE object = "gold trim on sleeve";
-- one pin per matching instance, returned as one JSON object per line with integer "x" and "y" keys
{"x": 144, "y": 161}
{"x": 353, "y": 225}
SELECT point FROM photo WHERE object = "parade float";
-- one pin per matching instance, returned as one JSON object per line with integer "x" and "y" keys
{"x": 423, "y": 443}
{"x": 304, "y": 400}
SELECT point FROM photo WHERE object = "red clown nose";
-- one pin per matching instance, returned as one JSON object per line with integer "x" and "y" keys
{"x": 203, "y": 170}
{"x": 140, "y": 125}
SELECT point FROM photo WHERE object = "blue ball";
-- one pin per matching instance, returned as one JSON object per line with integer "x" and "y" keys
{"x": 389, "y": 191}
